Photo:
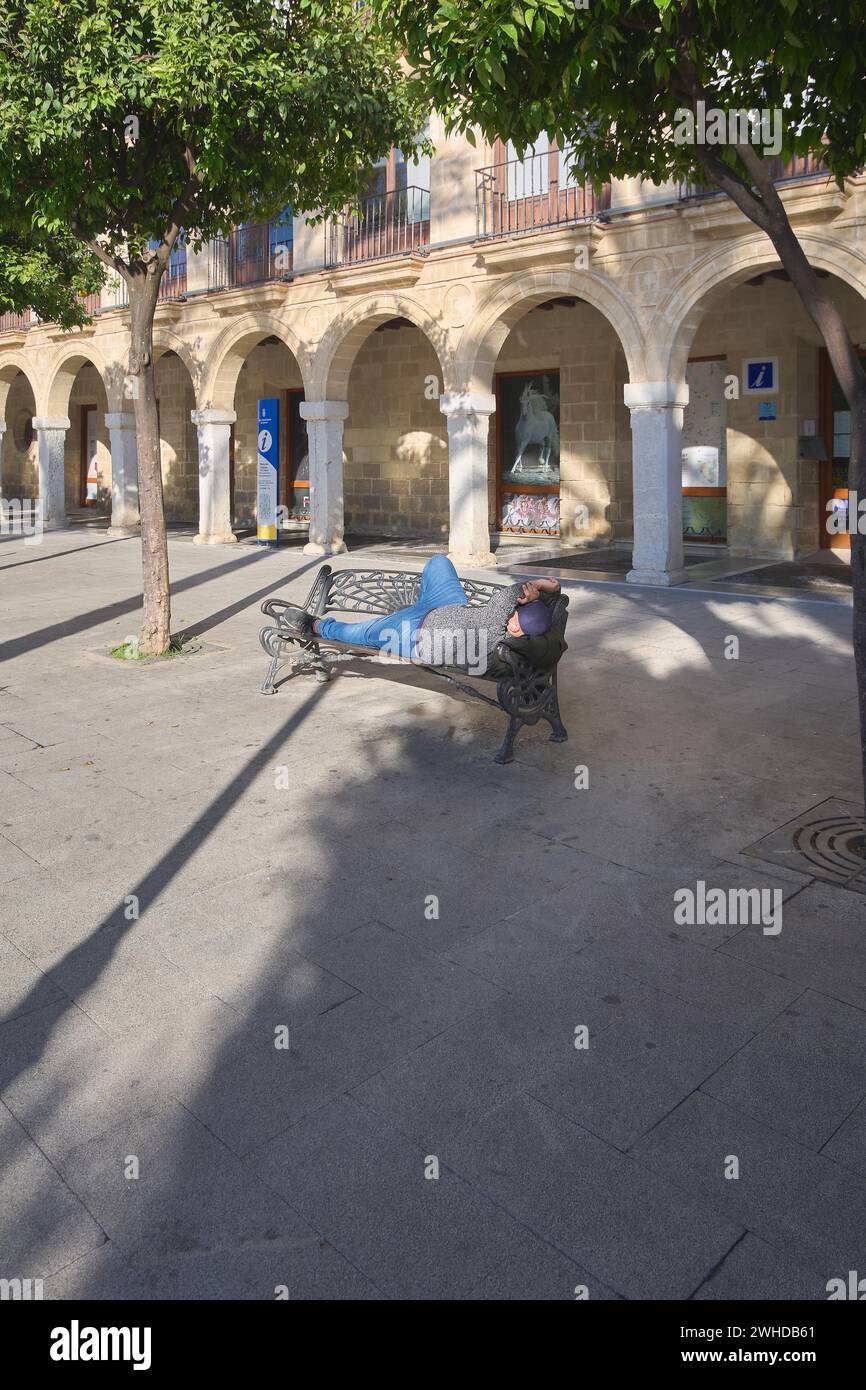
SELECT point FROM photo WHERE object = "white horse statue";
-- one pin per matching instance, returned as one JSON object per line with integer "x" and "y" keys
{"x": 535, "y": 425}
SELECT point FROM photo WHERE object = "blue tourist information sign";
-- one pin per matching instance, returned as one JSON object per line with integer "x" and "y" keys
{"x": 268, "y": 470}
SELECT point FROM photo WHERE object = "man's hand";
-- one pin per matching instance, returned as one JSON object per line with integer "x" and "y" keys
{"x": 534, "y": 588}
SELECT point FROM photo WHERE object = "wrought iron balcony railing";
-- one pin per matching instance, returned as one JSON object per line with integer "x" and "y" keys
{"x": 251, "y": 255}
{"x": 173, "y": 283}
{"x": 802, "y": 166}
{"x": 389, "y": 224}
{"x": 15, "y": 321}
{"x": 528, "y": 195}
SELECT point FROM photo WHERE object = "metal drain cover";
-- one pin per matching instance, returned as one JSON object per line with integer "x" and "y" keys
{"x": 827, "y": 842}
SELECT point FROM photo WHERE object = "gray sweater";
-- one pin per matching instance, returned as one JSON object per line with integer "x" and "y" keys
{"x": 465, "y": 638}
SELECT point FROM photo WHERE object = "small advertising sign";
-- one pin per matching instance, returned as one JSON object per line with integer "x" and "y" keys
{"x": 268, "y": 470}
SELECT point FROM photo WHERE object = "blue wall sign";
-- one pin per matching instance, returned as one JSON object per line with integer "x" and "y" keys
{"x": 760, "y": 376}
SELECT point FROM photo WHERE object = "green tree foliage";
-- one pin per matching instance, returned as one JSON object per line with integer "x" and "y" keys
{"x": 50, "y": 275}
{"x": 123, "y": 124}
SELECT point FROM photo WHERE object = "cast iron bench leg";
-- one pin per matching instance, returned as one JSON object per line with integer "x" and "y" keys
{"x": 559, "y": 733}
{"x": 506, "y": 752}
{"x": 276, "y": 665}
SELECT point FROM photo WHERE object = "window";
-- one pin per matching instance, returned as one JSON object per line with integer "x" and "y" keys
{"x": 529, "y": 176}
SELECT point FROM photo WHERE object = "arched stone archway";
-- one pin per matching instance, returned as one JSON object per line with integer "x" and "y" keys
{"x": 65, "y": 368}
{"x": 165, "y": 341}
{"x": 19, "y": 464}
{"x": 225, "y": 360}
{"x": 737, "y": 305}
{"x": 336, "y": 353}
{"x": 380, "y": 455}
{"x": 676, "y": 318}
{"x": 380, "y": 367}
{"x": 590, "y": 506}
{"x": 497, "y": 314}
{"x": 178, "y": 445}
{"x": 217, "y": 415}
{"x": 59, "y": 465}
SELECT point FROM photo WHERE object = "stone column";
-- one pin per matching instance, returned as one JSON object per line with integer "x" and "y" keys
{"x": 2, "y": 433}
{"x": 125, "y": 520}
{"x": 214, "y": 479}
{"x": 468, "y": 416}
{"x": 325, "y": 445}
{"x": 51, "y": 443}
{"x": 656, "y": 429}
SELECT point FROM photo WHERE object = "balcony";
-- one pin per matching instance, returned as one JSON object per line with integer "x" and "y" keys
{"x": 803, "y": 166}
{"x": 173, "y": 283}
{"x": 540, "y": 191}
{"x": 389, "y": 224}
{"x": 252, "y": 255}
{"x": 15, "y": 322}
{"x": 172, "y": 286}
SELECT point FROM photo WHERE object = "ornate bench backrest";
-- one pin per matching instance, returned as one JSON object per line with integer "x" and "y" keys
{"x": 384, "y": 591}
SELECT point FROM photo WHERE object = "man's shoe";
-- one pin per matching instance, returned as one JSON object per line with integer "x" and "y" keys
{"x": 297, "y": 623}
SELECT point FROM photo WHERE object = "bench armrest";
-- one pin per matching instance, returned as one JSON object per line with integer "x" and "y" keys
{"x": 314, "y": 602}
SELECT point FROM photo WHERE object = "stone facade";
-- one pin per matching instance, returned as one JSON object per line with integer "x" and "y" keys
{"x": 398, "y": 360}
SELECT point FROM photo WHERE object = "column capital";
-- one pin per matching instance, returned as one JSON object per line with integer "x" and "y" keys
{"x": 655, "y": 395}
{"x": 467, "y": 403}
{"x": 213, "y": 417}
{"x": 323, "y": 410}
{"x": 120, "y": 420}
{"x": 47, "y": 422}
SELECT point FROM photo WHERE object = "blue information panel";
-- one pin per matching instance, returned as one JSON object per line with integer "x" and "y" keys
{"x": 268, "y": 470}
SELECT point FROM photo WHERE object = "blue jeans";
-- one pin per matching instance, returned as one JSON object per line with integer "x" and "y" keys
{"x": 397, "y": 631}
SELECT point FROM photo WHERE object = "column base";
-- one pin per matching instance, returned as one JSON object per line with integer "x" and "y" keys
{"x": 661, "y": 579}
{"x": 473, "y": 559}
{"x": 132, "y": 530}
{"x": 227, "y": 538}
{"x": 335, "y": 548}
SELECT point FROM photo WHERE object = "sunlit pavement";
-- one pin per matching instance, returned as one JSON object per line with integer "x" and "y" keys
{"x": 305, "y": 993}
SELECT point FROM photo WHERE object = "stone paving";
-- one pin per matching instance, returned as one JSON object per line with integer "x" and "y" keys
{"x": 190, "y": 869}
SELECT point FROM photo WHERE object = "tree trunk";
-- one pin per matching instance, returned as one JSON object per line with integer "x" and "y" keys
{"x": 845, "y": 362}
{"x": 155, "y": 632}
{"x": 767, "y": 211}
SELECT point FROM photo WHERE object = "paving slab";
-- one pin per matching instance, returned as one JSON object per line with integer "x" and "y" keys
{"x": 364, "y": 1186}
{"x": 638, "y": 1231}
{"x": 802, "y": 1203}
{"x": 753, "y": 1270}
{"x": 423, "y": 987}
{"x": 449, "y": 1082}
{"x": 44, "y": 1224}
{"x": 254, "y": 1088}
{"x": 639, "y": 1069}
{"x": 161, "y": 1186}
{"x": 809, "y": 1090}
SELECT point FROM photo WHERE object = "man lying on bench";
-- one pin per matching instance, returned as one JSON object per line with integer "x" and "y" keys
{"x": 440, "y": 628}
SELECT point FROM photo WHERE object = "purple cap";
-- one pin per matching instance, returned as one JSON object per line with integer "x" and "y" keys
{"x": 534, "y": 618}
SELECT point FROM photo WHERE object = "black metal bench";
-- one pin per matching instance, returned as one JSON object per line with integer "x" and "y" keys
{"x": 524, "y": 668}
